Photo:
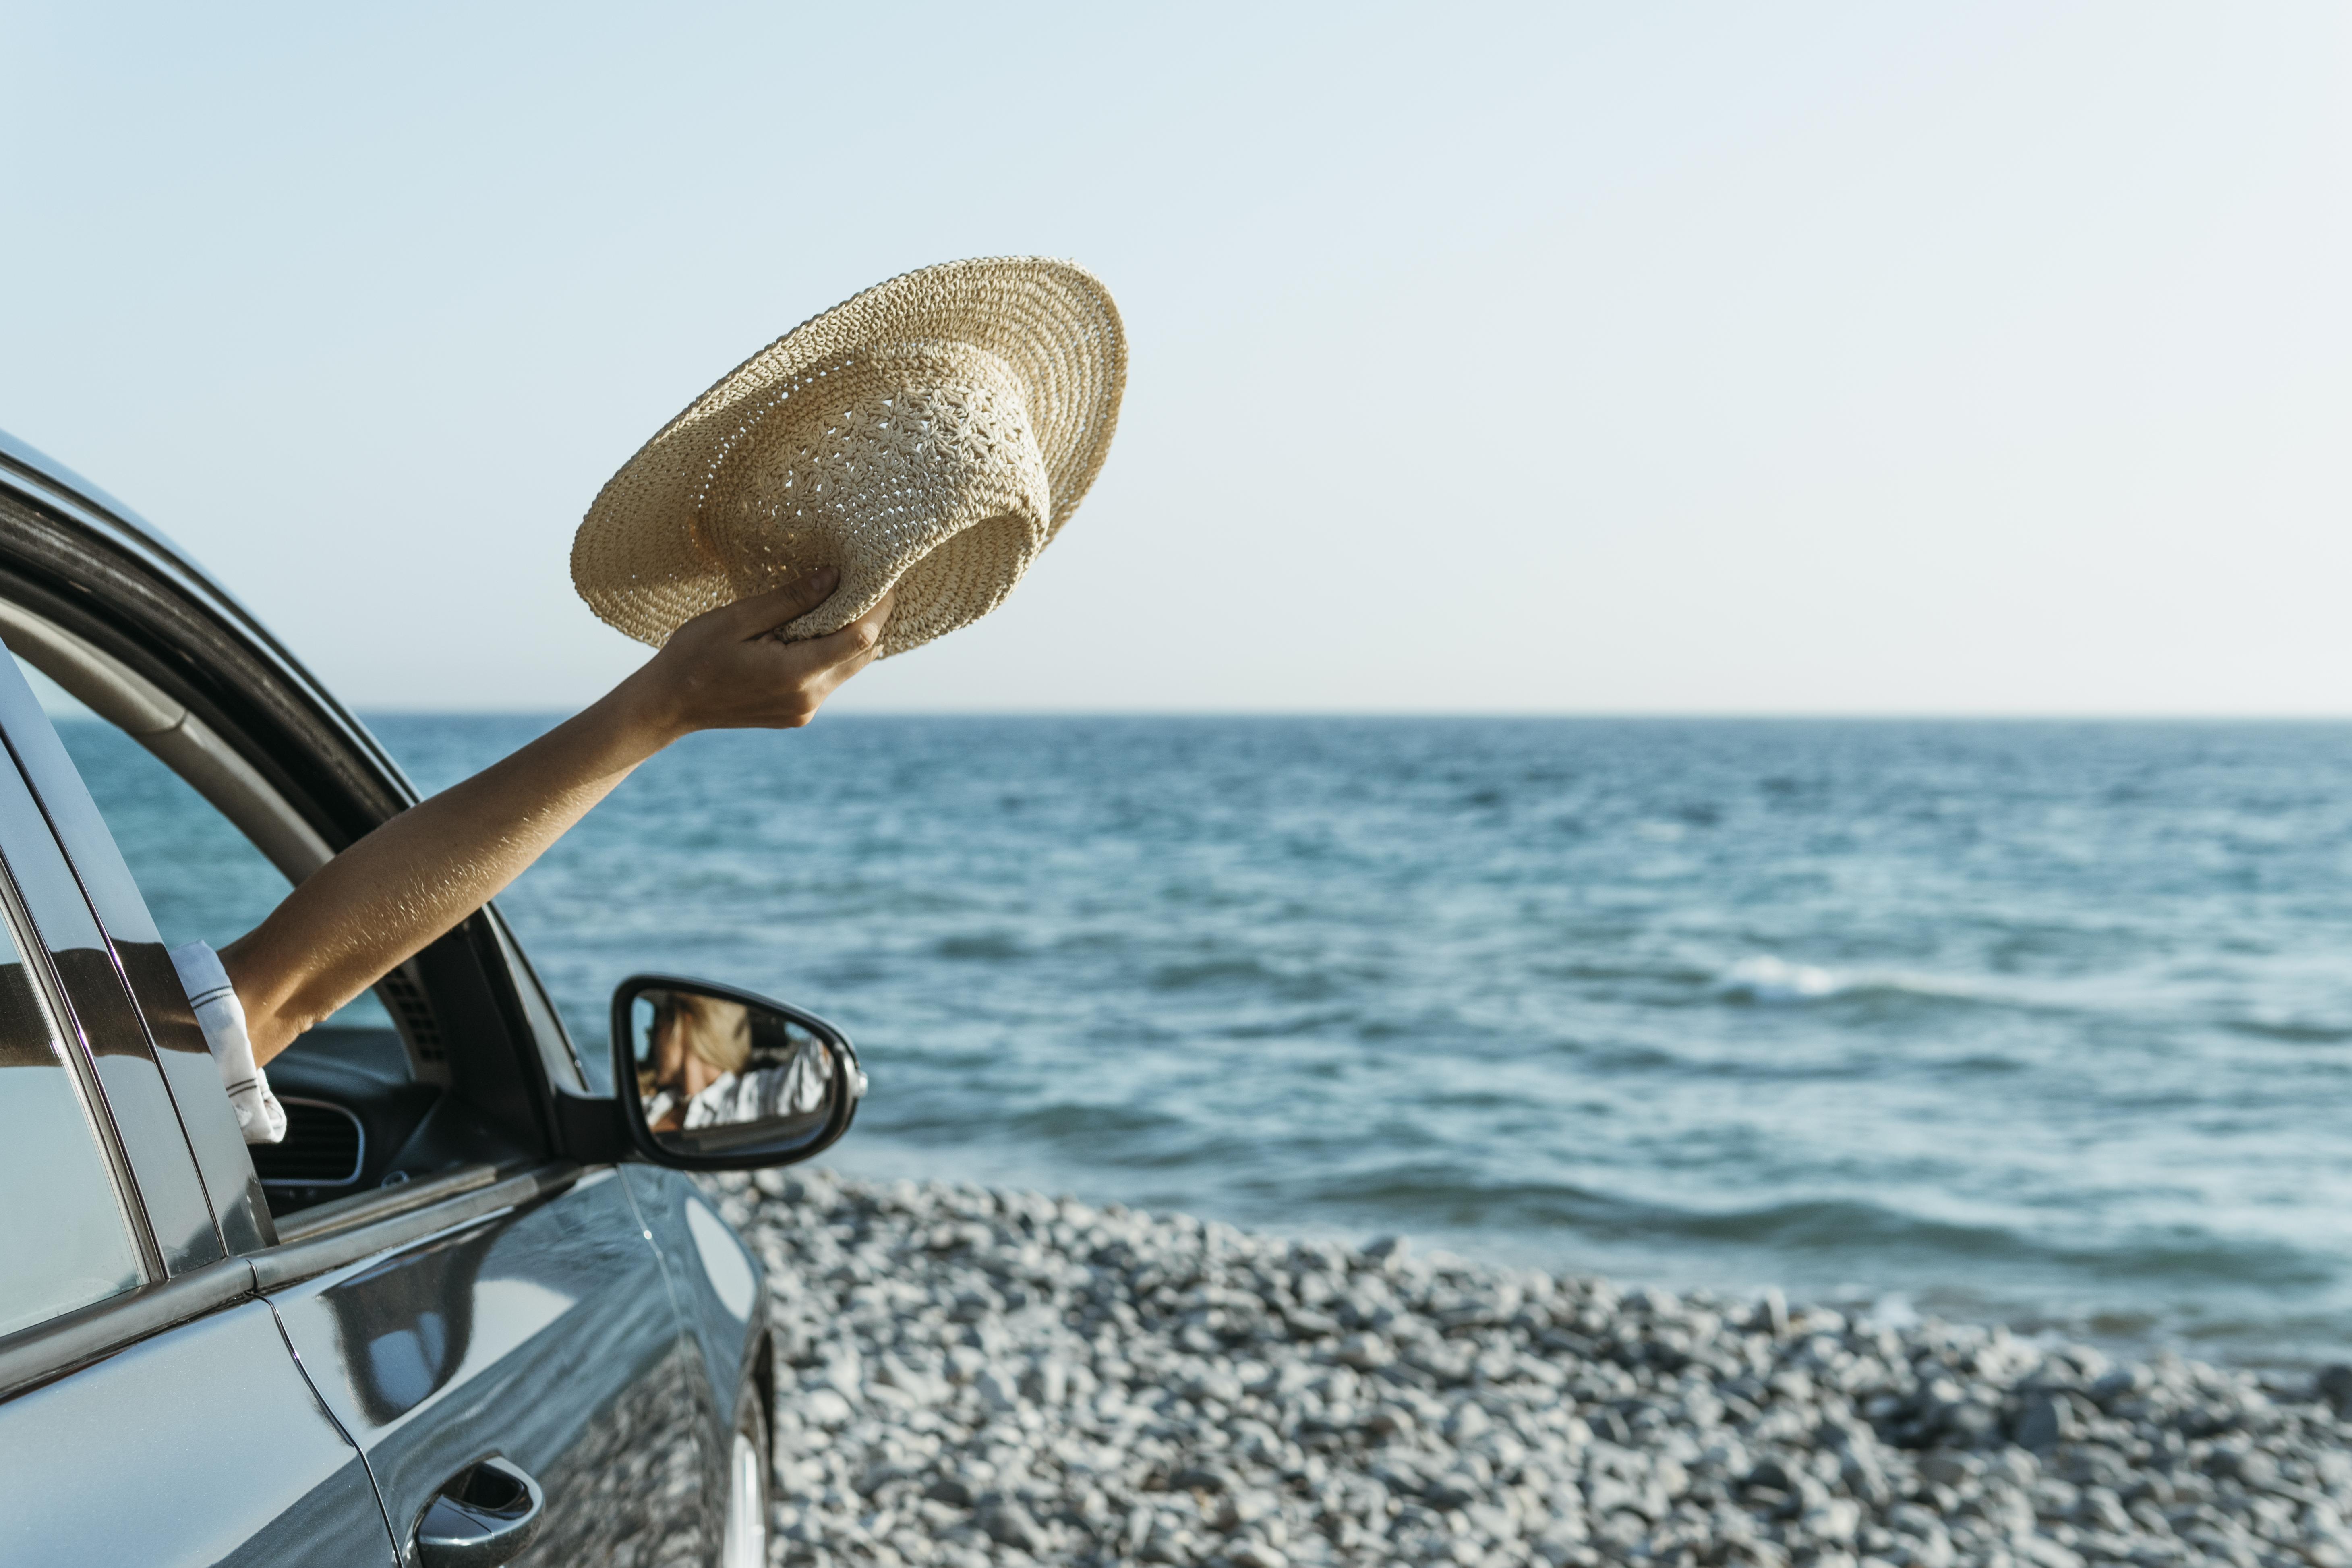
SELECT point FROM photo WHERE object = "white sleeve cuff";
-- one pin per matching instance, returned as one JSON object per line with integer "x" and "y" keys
{"x": 222, "y": 1015}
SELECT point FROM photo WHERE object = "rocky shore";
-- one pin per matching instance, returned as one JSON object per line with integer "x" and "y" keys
{"x": 977, "y": 1377}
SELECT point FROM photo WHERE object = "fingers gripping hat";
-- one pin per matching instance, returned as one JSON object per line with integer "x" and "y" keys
{"x": 931, "y": 434}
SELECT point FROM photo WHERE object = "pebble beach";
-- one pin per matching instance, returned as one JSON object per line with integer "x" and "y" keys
{"x": 970, "y": 1376}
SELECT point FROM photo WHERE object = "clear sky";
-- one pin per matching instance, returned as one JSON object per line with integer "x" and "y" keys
{"x": 1790, "y": 358}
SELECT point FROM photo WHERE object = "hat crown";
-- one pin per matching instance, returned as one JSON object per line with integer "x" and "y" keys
{"x": 874, "y": 459}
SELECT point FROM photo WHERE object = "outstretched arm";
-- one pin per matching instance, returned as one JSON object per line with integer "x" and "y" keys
{"x": 381, "y": 900}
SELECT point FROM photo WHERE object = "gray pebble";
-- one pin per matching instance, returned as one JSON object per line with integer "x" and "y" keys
{"x": 1009, "y": 1524}
{"x": 2334, "y": 1385}
{"x": 972, "y": 1378}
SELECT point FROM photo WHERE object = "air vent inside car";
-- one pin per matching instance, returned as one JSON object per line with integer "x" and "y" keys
{"x": 404, "y": 999}
{"x": 324, "y": 1147}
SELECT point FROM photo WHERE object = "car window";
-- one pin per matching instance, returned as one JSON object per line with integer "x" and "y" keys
{"x": 202, "y": 879}
{"x": 357, "y": 1089}
{"x": 68, "y": 1243}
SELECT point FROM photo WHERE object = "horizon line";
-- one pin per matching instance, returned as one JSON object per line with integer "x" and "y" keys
{"x": 1425, "y": 715}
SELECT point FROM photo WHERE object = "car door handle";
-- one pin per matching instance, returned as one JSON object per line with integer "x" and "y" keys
{"x": 485, "y": 1515}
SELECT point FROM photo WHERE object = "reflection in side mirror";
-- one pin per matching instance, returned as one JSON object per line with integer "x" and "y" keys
{"x": 715, "y": 1079}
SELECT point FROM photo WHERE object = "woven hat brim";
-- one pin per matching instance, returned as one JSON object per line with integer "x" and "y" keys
{"x": 636, "y": 560}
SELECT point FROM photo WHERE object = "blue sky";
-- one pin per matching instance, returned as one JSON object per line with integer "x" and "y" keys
{"x": 1858, "y": 358}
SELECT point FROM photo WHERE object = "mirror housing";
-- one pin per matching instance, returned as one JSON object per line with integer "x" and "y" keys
{"x": 712, "y": 1078}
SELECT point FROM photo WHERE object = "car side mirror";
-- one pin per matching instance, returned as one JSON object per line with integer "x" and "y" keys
{"x": 713, "y": 1078}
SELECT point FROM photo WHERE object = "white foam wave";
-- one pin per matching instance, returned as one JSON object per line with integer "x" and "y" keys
{"x": 1767, "y": 980}
{"x": 1764, "y": 978}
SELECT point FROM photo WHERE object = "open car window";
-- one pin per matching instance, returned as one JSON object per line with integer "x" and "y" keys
{"x": 357, "y": 1089}
{"x": 202, "y": 879}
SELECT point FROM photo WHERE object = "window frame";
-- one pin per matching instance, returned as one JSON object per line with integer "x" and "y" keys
{"x": 40, "y": 1352}
{"x": 313, "y": 1243}
{"x": 127, "y": 1069}
{"x": 72, "y": 1048}
{"x": 79, "y": 561}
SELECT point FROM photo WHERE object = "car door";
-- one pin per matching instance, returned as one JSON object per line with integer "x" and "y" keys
{"x": 498, "y": 1300}
{"x": 150, "y": 1409}
{"x": 540, "y": 1333}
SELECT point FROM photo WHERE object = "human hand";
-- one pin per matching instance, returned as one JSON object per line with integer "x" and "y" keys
{"x": 729, "y": 671}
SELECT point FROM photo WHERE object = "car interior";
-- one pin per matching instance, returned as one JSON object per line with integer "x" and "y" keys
{"x": 369, "y": 1097}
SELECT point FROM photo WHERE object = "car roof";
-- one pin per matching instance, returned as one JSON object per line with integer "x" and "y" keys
{"x": 26, "y": 468}
{"x": 126, "y": 525}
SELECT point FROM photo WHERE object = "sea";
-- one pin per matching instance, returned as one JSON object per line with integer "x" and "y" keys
{"x": 2041, "y": 1023}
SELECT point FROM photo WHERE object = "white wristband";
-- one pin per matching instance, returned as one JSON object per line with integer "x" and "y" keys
{"x": 258, "y": 1115}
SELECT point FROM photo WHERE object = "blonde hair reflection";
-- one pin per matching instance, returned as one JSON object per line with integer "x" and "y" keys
{"x": 694, "y": 1042}
{"x": 719, "y": 1032}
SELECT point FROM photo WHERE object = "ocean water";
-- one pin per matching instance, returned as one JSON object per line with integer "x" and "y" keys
{"x": 2047, "y": 1023}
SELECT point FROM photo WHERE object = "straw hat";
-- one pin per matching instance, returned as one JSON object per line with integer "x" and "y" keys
{"x": 933, "y": 433}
